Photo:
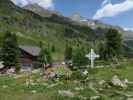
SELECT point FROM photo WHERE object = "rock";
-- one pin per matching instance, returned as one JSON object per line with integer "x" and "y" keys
{"x": 52, "y": 75}
{"x": 126, "y": 81}
{"x": 1, "y": 65}
{"x": 66, "y": 93}
{"x": 34, "y": 91}
{"x": 63, "y": 63}
{"x": 10, "y": 71}
{"x": 117, "y": 82}
{"x": 95, "y": 98}
{"x": 85, "y": 72}
{"x": 102, "y": 82}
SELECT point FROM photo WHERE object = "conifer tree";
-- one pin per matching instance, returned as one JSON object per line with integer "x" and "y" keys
{"x": 113, "y": 44}
{"x": 48, "y": 57}
{"x": 17, "y": 53}
{"x": 53, "y": 48}
{"x": 68, "y": 53}
{"x": 44, "y": 58}
{"x": 10, "y": 51}
{"x": 41, "y": 59}
{"x": 79, "y": 60}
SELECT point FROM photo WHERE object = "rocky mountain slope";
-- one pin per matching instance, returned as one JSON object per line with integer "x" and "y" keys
{"x": 40, "y": 11}
{"x": 76, "y": 17}
{"x": 95, "y": 24}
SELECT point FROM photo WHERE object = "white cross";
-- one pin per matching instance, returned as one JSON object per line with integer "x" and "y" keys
{"x": 92, "y": 56}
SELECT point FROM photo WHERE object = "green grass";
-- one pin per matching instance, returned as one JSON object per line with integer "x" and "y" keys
{"x": 48, "y": 90}
{"x": 124, "y": 71}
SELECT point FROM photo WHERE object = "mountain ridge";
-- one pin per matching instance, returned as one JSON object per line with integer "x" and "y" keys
{"x": 40, "y": 10}
{"x": 74, "y": 17}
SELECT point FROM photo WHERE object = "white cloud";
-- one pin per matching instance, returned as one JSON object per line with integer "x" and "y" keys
{"x": 128, "y": 29}
{"x": 43, "y": 3}
{"x": 106, "y": 2}
{"x": 109, "y": 9}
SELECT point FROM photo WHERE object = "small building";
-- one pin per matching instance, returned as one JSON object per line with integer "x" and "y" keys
{"x": 28, "y": 56}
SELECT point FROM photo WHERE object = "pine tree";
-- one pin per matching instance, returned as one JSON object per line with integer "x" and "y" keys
{"x": 10, "y": 51}
{"x": 44, "y": 58}
{"x": 113, "y": 43}
{"x": 49, "y": 57}
{"x": 17, "y": 53}
{"x": 53, "y": 48}
{"x": 79, "y": 60}
{"x": 102, "y": 51}
{"x": 41, "y": 61}
{"x": 68, "y": 53}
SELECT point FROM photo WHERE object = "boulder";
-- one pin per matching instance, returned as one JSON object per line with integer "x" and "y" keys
{"x": 117, "y": 82}
{"x": 33, "y": 91}
{"x": 1, "y": 65}
{"x": 52, "y": 75}
{"x": 126, "y": 81}
{"x": 66, "y": 93}
{"x": 10, "y": 71}
{"x": 102, "y": 82}
{"x": 85, "y": 72}
{"x": 95, "y": 98}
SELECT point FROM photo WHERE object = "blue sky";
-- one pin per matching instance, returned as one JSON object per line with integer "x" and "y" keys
{"x": 88, "y": 9}
{"x": 115, "y": 12}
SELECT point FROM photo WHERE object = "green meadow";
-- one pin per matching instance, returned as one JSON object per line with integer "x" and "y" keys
{"x": 15, "y": 87}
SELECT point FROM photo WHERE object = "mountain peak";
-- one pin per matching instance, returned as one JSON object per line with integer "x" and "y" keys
{"x": 7, "y": 6}
{"x": 4, "y": 3}
{"x": 40, "y": 10}
{"x": 76, "y": 17}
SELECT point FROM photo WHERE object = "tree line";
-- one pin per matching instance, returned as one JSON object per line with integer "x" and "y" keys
{"x": 110, "y": 48}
